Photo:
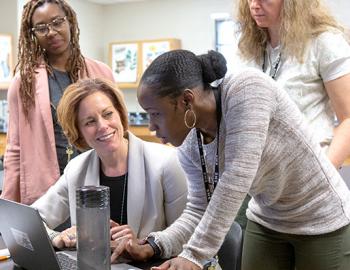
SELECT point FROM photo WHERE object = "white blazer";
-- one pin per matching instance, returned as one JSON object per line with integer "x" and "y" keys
{"x": 157, "y": 190}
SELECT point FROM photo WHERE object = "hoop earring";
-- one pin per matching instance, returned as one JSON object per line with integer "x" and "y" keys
{"x": 194, "y": 121}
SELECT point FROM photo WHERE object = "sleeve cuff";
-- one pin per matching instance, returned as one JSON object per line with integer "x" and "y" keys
{"x": 187, "y": 255}
{"x": 51, "y": 233}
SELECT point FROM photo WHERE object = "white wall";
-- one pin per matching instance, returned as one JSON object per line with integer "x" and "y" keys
{"x": 8, "y": 26}
{"x": 8, "y": 17}
{"x": 91, "y": 23}
{"x": 187, "y": 20}
{"x": 341, "y": 10}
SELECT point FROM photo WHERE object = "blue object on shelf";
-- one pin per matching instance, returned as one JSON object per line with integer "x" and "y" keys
{"x": 138, "y": 118}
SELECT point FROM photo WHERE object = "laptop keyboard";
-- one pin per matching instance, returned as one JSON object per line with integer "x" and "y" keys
{"x": 66, "y": 262}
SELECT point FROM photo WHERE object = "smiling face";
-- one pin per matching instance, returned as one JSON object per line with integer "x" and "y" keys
{"x": 266, "y": 13}
{"x": 166, "y": 116}
{"x": 100, "y": 124}
{"x": 56, "y": 42}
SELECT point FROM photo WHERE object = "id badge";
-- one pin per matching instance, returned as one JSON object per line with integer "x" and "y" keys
{"x": 212, "y": 264}
{"x": 212, "y": 267}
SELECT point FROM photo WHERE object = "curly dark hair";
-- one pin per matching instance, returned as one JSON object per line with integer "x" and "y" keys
{"x": 30, "y": 54}
{"x": 174, "y": 71}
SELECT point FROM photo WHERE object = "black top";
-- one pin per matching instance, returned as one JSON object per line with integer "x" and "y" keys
{"x": 118, "y": 185}
{"x": 58, "y": 82}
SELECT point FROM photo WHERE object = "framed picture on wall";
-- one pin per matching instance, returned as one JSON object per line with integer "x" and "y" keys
{"x": 129, "y": 59}
{"x": 153, "y": 48}
{"x": 5, "y": 60}
{"x": 124, "y": 59}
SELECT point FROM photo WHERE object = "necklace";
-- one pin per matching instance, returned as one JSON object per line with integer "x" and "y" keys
{"x": 69, "y": 147}
{"x": 123, "y": 197}
{"x": 274, "y": 66}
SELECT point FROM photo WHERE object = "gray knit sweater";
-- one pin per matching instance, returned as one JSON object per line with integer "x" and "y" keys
{"x": 267, "y": 150}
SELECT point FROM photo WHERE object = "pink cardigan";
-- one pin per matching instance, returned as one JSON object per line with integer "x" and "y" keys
{"x": 30, "y": 162}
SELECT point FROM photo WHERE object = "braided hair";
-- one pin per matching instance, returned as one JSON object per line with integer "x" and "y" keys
{"x": 30, "y": 54}
{"x": 174, "y": 71}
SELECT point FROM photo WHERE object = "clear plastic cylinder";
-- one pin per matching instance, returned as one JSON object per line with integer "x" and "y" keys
{"x": 93, "y": 229}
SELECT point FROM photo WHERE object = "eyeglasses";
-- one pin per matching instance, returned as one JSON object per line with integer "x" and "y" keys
{"x": 43, "y": 29}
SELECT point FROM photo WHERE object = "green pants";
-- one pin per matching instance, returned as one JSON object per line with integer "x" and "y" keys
{"x": 241, "y": 217}
{"x": 265, "y": 249}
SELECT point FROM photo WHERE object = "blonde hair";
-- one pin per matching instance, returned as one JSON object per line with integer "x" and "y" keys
{"x": 68, "y": 107}
{"x": 301, "y": 20}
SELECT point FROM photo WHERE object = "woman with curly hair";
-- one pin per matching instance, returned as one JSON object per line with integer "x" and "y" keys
{"x": 49, "y": 59}
{"x": 300, "y": 45}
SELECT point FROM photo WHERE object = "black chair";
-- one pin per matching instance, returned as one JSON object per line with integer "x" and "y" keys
{"x": 230, "y": 253}
{"x": 345, "y": 173}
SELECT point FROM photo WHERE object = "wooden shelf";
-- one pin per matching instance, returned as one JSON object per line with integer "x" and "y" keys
{"x": 144, "y": 133}
{"x": 2, "y": 143}
{"x": 347, "y": 162}
{"x": 140, "y": 131}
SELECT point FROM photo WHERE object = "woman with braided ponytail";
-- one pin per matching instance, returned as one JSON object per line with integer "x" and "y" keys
{"x": 49, "y": 59}
{"x": 239, "y": 134}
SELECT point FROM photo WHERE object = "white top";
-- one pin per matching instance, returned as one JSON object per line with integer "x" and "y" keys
{"x": 327, "y": 58}
{"x": 265, "y": 149}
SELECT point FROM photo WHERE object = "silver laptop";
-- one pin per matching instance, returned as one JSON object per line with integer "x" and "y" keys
{"x": 30, "y": 247}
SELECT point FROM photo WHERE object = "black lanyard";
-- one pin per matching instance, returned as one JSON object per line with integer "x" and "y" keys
{"x": 274, "y": 67}
{"x": 210, "y": 185}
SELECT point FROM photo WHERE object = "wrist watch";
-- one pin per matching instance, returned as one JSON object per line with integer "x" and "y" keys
{"x": 151, "y": 241}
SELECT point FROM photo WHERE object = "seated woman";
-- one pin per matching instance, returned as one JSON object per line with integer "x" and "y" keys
{"x": 147, "y": 185}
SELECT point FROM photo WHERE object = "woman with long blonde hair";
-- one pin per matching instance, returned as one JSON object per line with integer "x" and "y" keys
{"x": 300, "y": 45}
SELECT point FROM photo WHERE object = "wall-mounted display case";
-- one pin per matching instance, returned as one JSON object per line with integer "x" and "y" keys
{"x": 129, "y": 59}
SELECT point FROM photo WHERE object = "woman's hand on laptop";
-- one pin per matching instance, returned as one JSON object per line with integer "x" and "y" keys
{"x": 66, "y": 239}
{"x": 131, "y": 249}
{"x": 120, "y": 235}
{"x": 121, "y": 232}
{"x": 124, "y": 243}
